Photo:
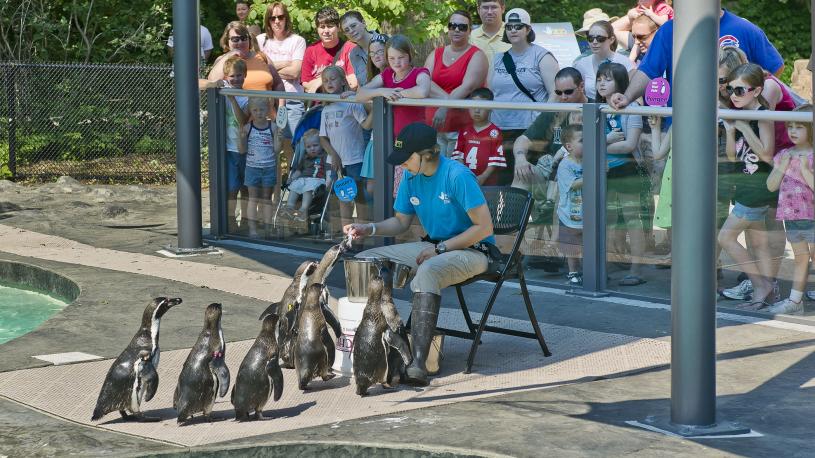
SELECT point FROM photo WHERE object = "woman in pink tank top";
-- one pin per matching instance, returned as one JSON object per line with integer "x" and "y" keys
{"x": 399, "y": 80}
{"x": 456, "y": 70}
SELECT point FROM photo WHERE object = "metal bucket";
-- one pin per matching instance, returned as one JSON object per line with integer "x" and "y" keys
{"x": 358, "y": 272}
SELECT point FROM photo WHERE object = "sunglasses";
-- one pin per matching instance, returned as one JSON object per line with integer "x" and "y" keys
{"x": 739, "y": 91}
{"x": 279, "y": 17}
{"x": 642, "y": 37}
{"x": 565, "y": 91}
{"x": 239, "y": 38}
{"x": 596, "y": 38}
{"x": 722, "y": 80}
{"x": 456, "y": 26}
{"x": 515, "y": 27}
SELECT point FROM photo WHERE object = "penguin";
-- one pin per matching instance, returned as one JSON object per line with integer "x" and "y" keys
{"x": 286, "y": 308}
{"x": 375, "y": 340}
{"x": 259, "y": 375}
{"x": 324, "y": 268}
{"x": 122, "y": 382}
{"x": 204, "y": 375}
{"x": 313, "y": 348}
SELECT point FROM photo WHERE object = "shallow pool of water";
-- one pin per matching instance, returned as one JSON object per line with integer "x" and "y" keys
{"x": 21, "y": 311}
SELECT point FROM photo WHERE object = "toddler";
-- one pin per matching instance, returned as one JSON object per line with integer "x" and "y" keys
{"x": 479, "y": 145}
{"x": 570, "y": 202}
{"x": 261, "y": 140}
{"x": 792, "y": 176}
{"x": 308, "y": 176}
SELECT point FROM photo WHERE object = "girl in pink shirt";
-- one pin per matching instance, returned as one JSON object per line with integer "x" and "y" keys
{"x": 399, "y": 80}
{"x": 792, "y": 178}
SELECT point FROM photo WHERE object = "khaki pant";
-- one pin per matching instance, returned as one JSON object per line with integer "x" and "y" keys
{"x": 437, "y": 272}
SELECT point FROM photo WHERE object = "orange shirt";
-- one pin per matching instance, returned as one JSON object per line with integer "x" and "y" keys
{"x": 258, "y": 77}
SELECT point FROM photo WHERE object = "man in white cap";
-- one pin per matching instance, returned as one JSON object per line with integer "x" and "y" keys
{"x": 489, "y": 37}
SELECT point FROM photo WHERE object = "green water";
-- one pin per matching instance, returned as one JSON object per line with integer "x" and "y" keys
{"x": 21, "y": 311}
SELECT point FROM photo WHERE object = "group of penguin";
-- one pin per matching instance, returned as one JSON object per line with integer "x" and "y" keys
{"x": 294, "y": 334}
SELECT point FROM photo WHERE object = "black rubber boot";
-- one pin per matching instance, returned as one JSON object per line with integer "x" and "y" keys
{"x": 423, "y": 317}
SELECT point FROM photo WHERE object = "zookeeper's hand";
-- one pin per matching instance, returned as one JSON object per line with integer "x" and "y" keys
{"x": 357, "y": 231}
{"x": 426, "y": 254}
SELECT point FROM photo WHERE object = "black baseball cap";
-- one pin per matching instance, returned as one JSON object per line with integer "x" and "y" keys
{"x": 414, "y": 137}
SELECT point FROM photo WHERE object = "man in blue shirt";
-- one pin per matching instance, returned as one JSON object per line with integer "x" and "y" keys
{"x": 733, "y": 31}
{"x": 445, "y": 195}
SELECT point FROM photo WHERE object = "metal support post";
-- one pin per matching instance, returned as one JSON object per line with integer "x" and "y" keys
{"x": 217, "y": 163}
{"x": 594, "y": 203}
{"x": 11, "y": 98}
{"x": 187, "y": 141}
{"x": 383, "y": 144}
{"x": 693, "y": 276}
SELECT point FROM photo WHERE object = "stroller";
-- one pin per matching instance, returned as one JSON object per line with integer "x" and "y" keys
{"x": 316, "y": 214}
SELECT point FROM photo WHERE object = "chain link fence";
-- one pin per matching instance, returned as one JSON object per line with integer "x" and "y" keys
{"x": 107, "y": 123}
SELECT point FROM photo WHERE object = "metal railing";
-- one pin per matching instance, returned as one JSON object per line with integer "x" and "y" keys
{"x": 114, "y": 123}
{"x": 594, "y": 159}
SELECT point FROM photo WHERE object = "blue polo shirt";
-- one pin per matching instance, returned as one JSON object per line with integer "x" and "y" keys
{"x": 441, "y": 201}
{"x": 733, "y": 31}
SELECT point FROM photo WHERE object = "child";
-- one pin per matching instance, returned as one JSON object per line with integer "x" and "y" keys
{"x": 236, "y": 117}
{"x": 342, "y": 138}
{"x": 376, "y": 63}
{"x": 659, "y": 11}
{"x": 661, "y": 146}
{"x": 750, "y": 145}
{"x": 792, "y": 175}
{"x": 625, "y": 182}
{"x": 308, "y": 176}
{"x": 400, "y": 80}
{"x": 261, "y": 139}
{"x": 570, "y": 203}
{"x": 479, "y": 145}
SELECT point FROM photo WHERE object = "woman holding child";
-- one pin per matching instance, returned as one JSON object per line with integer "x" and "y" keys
{"x": 261, "y": 74}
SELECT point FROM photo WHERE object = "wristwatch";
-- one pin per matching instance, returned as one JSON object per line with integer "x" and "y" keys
{"x": 441, "y": 248}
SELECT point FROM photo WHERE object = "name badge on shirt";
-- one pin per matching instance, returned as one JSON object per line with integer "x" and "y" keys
{"x": 414, "y": 200}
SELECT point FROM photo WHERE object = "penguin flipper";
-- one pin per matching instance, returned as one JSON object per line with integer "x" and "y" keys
{"x": 149, "y": 383}
{"x": 396, "y": 341}
{"x": 273, "y": 369}
{"x": 218, "y": 367}
{"x": 272, "y": 309}
{"x": 332, "y": 320}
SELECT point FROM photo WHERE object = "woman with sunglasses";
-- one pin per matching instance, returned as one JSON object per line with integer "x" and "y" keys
{"x": 285, "y": 50}
{"x": 455, "y": 71}
{"x": 778, "y": 98}
{"x": 750, "y": 147}
{"x": 603, "y": 45}
{"x": 535, "y": 69}
{"x": 260, "y": 73}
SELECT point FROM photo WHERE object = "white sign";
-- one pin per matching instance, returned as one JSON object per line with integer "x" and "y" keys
{"x": 559, "y": 39}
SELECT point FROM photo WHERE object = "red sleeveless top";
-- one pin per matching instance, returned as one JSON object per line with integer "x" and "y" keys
{"x": 782, "y": 140}
{"x": 403, "y": 116}
{"x": 449, "y": 78}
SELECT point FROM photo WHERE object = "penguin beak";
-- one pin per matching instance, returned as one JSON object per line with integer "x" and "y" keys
{"x": 174, "y": 301}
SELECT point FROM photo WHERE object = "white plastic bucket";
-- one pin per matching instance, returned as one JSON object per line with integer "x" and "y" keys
{"x": 349, "y": 314}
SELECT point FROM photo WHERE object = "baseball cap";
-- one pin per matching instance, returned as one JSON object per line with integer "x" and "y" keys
{"x": 518, "y": 16}
{"x": 414, "y": 137}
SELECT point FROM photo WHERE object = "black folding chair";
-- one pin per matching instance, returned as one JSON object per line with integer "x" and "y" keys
{"x": 509, "y": 209}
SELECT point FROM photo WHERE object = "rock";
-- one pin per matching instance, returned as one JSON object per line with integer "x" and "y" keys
{"x": 6, "y": 207}
{"x": 113, "y": 211}
{"x": 79, "y": 204}
{"x": 6, "y": 185}
{"x": 802, "y": 79}
{"x": 68, "y": 181}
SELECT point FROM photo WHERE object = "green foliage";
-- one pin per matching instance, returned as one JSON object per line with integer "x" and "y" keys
{"x": 84, "y": 31}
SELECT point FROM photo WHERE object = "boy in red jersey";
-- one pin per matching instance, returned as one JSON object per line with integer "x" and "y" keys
{"x": 479, "y": 144}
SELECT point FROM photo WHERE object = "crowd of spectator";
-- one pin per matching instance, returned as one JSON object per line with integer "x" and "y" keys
{"x": 541, "y": 151}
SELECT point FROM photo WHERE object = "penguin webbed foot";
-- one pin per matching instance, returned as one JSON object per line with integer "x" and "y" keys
{"x": 125, "y": 416}
{"x": 362, "y": 390}
{"x": 328, "y": 376}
